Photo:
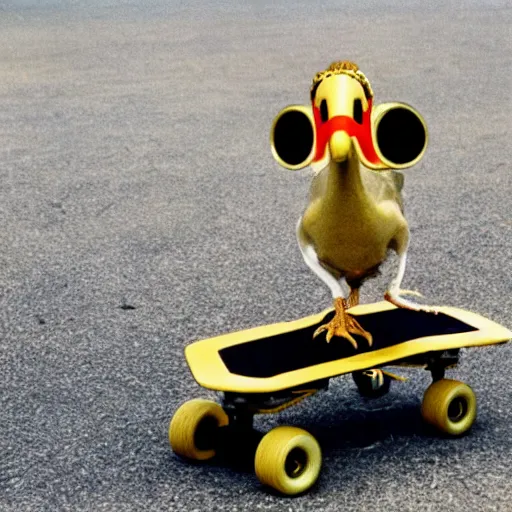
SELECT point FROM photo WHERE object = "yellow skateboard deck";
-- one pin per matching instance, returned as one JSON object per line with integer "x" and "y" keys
{"x": 284, "y": 355}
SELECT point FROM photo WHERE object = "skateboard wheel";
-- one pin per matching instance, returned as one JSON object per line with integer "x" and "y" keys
{"x": 288, "y": 459}
{"x": 192, "y": 431}
{"x": 371, "y": 383}
{"x": 450, "y": 406}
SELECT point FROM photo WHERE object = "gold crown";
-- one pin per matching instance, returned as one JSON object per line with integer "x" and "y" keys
{"x": 343, "y": 68}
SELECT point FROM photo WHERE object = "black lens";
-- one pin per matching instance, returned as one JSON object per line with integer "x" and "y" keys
{"x": 293, "y": 137}
{"x": 401, "y": 136}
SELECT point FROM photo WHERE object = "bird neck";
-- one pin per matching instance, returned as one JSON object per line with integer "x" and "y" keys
{"x": 345, "y": 188}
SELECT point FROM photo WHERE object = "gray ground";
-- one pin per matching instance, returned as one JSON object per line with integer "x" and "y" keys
{"x": 135, "y": 171}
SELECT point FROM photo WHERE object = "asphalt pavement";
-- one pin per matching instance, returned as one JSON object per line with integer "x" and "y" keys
{"x": 141, "y": 209}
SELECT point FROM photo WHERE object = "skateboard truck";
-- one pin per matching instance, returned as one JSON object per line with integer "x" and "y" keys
{"x": 441, "y": 361}
{"x": 241, "y": 407}
{"x": 237, "y": 440}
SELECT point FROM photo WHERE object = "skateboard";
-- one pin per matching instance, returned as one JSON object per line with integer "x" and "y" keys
{"x": 267, "y": 369}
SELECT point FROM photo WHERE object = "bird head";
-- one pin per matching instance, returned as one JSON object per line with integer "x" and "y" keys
{"x": 341, "y": 98}
{"x": 342, "y": 124}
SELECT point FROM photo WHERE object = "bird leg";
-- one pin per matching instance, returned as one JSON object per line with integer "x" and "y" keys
{"x": 397, "y": 300}
{"x": 353, "y": 298}
{"x": 393, "y": 294}
{"x": 343, "y": 325}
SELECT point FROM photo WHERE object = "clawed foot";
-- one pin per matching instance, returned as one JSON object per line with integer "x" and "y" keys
{"x": 400, "y": 302}
{"x": 343, "y": 326}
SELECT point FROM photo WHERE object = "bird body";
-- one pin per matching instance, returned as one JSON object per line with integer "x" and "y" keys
{"x": 354, "y": 216}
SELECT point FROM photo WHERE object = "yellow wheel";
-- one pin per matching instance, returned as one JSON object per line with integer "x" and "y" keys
{"x": 192, "y": 432}
{"x": 450, "y": 406}
{"x": 288, "y": 459}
